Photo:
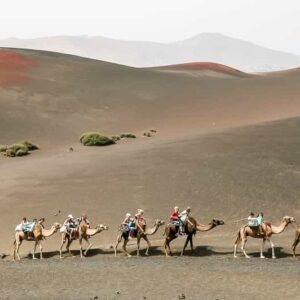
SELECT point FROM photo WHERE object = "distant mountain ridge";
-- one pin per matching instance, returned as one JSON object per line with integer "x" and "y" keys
{"x": 208, "y": 47}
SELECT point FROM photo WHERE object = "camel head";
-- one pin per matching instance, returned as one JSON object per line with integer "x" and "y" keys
{"x": 288, "y": 220}
{"x": 101, "y": 227}
{"x": 159, "y": 222}
{"x": 217, "y": 222}
{"x": 56, "y": 226}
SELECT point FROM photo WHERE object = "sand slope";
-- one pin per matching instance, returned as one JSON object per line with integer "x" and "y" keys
{"x": 194, "y": 159}
{"x": 226, "y": 145}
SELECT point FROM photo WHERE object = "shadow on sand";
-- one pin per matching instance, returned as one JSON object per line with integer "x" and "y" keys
{"x": 278, "y": 252}
{"x": 199, "y": 251}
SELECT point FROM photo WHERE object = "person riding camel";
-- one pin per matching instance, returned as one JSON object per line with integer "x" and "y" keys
{"x": 257, "y": 222}
{"x": 68, "y": 226}
{"x": 252, "y": 220}
{"x": 128, "y": 223}
{"x": 174, "y": 216}
{"x": 262, "y": 230}
{"x": 140, "y": 220}
{"x": 184, "y": 216}
{"x": 84, "y": 220}
{"x": 175, "y": 219}
{"x": 19, "y": 227}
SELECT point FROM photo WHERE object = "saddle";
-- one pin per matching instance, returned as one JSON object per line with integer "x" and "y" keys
{"x": 74, "y": 233}
{"x": 30, "y": 235}
{"x": 133, "y": 233}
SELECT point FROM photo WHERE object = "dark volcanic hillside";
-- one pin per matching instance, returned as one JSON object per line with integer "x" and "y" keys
{"x": 55, "y": 97}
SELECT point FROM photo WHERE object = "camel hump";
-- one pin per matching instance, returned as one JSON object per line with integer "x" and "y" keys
{"x": 268, "y": 223}
{"x": 38, "y": 228}
{"x": 83, "y": 228}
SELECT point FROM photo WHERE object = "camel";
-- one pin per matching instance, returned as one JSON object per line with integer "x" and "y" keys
{"x": 296, "y": 241}
{"x": 37, "y": 236}
{"x": 190, "y": 229}
{"x": 246, "y": 231}
{"x": 82, "y": 232}
{"x": 140, "y": 233}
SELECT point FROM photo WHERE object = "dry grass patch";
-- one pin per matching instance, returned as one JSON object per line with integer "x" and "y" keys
{"x": 19, "y": 149}
{"x": 95, "y": 139}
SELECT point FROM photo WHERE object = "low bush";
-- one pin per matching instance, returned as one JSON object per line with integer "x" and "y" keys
{"x": 116, "y": 138}
{"x": 3, "y": 148}
{"x": 127, "y": 135}
{"x": 30, "y": 146}
{"x": 95, "y": 139}
{"x": 147, "y": 134}
{"x": 19, "y": 149}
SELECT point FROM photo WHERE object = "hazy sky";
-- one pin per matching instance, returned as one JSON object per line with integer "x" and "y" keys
{"x": 271, "y": 23}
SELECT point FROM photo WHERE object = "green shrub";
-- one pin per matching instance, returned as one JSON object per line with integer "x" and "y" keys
{"x": 19, "y": 149}
{"x": 16, "y": 147}
{"x": 10, "y": 153}
{"x": 116, "y": 138}
{"x": 30, "y": 146}
{"x": 127, "y": 135}
{"x": 16, "y": 150}
{"x": 21, "y": 152}
{"x": 95, "y": 139}
{"x": 3, "y": 148}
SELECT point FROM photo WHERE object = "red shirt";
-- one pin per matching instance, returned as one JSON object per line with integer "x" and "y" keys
{"x": 174, "y": 215}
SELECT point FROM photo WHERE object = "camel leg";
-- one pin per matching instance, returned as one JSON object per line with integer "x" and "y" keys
{"x": 41, "y": 249}
{"x": 243, "y": 248}
{"x": 272, "y": 246}
{"x": 89, "y": 246}
{"x": 149, "y": 245}
{"x": 80, "y": 247}
{"x": 236, "y": 244}
{"x": 61, "y": 246}
{"x": 124, "y": 247}
{"x": 262, "y": 248}
{"x": 296, "y": 241}
{"x": 119, "y": 239}
{"x": 234, "y": 250}
{"x": 185, "y": 244}
{"x": 69, "y": 242}
{"x": 138, "y": 241}
{"x": 34, "y": 249}
{"x": 294, "y": 248}
{"x": 167, "y": 245}
{"x": 191, "y": 244}
{"x": 16, "y": 249}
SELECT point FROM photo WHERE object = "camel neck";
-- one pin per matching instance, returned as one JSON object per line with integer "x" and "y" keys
{"x": 201, "y": 227}
{"x": 92, "y": 231}
{"x": 280, "y": 228}
{"x": 48, "y": 232}
{"x": 152, "y": 230}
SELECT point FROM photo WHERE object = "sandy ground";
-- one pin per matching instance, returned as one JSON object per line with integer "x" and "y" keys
{"x": 210, "y": 273}
{"x": 224, "y": 146}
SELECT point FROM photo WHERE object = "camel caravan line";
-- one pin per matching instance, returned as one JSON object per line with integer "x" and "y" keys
{"x": 179, "y": 224}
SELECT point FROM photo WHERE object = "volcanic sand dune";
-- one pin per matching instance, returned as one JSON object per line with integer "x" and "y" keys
{"x": 200, "y": 69}
{"x": 225, "y": 146}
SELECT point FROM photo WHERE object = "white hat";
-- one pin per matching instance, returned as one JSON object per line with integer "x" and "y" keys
{"x": 70, "y": 216}
{"x": 128, "y": 215}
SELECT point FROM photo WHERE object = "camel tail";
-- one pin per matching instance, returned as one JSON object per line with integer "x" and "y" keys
{"x": 238, "y": 238}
